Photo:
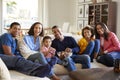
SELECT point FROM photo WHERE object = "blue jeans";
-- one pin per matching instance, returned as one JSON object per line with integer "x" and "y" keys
{"x": 93, "y": 47}
{"x": 108, "y": 59}
{"x": 70, "y": 65}
{"x": 82, "y": 59}
{"x": 97, "y": 46}
{"x": 39, "y": 58}
{"x": 25, "y": 66}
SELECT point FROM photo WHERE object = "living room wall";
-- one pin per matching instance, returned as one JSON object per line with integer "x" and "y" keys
{"x": 61, "y": 11}
{"x": 118, "y": 18}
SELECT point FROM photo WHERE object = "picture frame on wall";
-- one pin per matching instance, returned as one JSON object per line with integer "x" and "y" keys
{"x": 80, "y": 1}
{"x": 80, "y": 25}
{"x": 80, "y": 10}
{"x": 86, "y": 10}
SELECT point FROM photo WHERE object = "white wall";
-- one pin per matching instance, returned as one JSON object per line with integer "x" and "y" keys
{"x": 61, "y": 11}
{"x": 118, "y": 18}
{"x": 0, "y": 17}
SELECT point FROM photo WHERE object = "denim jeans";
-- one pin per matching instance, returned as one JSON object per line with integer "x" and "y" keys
{"x": 92, "y": 47}
{"x": 108, "y": 59}
{"x": 82, "y": 59}
{"x": 39, "y": 58}
{"x": 25, "y": 66}
{"x": 68, "y": 63}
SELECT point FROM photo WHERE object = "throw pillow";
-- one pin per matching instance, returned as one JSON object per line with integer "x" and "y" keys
{"x": 24, "y": 49}
{"x": 4, "y": 73}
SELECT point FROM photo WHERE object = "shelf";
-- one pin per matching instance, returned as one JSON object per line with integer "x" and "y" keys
{"x": 103, "y": 12}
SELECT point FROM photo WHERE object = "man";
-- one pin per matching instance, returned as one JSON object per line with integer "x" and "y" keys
{"x": 68, "y": 44}
{"x": 12, "y": 58}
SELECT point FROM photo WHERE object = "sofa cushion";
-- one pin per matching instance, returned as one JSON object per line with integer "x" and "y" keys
{"x": 24, "y": 49}
{"x": 4, "y": 73}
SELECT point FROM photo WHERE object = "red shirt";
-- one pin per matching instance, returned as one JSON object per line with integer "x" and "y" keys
{"x": 112, "y": 44}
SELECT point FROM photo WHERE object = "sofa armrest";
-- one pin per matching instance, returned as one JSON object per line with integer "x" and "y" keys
{"x": 15, "y": 75}
{"x": 4, "y": 73}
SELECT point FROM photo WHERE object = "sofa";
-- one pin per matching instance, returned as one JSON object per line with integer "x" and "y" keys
{"x": 6, "y": 74}
{"x": 58, "y": 69}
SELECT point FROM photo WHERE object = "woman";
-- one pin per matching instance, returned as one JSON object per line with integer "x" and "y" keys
{"x": 32, "y": 40}
{"x": 110, "y": 45}
{"x": 88, "y": 44}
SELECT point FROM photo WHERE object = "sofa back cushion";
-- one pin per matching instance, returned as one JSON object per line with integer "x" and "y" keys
{"x": 4, "y": 73}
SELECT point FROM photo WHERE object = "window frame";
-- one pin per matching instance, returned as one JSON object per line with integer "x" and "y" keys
{"x": 41, "y": 4}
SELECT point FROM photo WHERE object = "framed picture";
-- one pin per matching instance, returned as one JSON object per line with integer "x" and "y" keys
{"x": 80, "y": 24}
{"x": 79, "y": 1}
{"x": 86, "y": 10}
{"x": 80, "y": 10}
{"x": 87, "y": 0}
{"x": 85, "y": 22}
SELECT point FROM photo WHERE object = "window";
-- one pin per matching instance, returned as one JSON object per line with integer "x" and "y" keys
{"x": 23, "y": 11}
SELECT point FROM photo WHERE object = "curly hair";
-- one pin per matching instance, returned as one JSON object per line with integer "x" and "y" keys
{"x": 88, "y": 28}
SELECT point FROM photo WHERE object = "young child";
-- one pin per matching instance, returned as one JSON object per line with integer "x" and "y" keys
{"x": 46, "y": 48}
{"x": 48, "y": 51}
{"x": 88, "y": 44}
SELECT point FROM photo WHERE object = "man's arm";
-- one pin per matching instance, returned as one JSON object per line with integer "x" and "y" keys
{"x": 75, "y": 48}
{"x": 7, "y": 50}
{"x": 6, "y": 44}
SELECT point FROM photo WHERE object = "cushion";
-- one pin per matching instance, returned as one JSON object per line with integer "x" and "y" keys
{"x": 4, "y": 73}
{"x": 24, "y": 49}
{"x": 95, "y": 74}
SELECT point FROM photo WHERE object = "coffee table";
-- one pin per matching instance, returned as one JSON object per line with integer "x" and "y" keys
{"x": 95, "y": 74}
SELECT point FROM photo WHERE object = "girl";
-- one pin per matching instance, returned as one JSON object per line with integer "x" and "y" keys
{"x": 88, "y": 44}
{"x": 46, "y": 48}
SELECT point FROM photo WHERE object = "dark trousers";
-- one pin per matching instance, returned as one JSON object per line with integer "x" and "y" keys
{"x": 108, "y": 59}
{"x": 25, "y": 66}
